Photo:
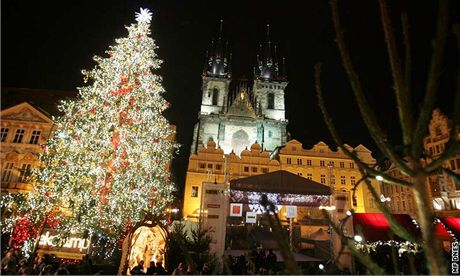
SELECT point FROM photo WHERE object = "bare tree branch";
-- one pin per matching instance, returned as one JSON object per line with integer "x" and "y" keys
{"x": 402, "y": 95}
{"x": 395, "y": 226}
{"x": 374, "y": 268}
{"x": 408, "y": 60}
{"x": 378, "y": 135}
{"x": 338, "y": 140}
{"x": 433, "y": 80}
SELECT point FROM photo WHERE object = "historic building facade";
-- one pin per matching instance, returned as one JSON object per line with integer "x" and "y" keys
{"x": 241, "y": 131}
{"x": 443, "y": 190}
{"x": 23, "y": 129}
{"x": 237, "y": 114}
{"x": 320, "y": 164}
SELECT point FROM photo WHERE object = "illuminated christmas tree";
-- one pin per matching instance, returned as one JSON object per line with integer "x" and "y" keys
{"x": 107, "y": 165}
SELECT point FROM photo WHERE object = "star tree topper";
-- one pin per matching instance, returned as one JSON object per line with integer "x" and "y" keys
{"x": 145, "y": 16}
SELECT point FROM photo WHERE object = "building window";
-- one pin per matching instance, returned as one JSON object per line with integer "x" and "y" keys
{"x": 254, "y": 169}
{"x": 288, "y": 161}
{"x": 7, "y": 171}
{"x": 246, "y": 169}
{"x": 19, "y": 135}
{"x": 202, "y": 165}
{"x": 308, "y": 162}
{"x": 299, "y": 174}
{"x": 35, "y": 136}
{"x": 342, "y": 180}
{"x": 310, "y": 176}
{"x": 194, "y": 191}
{"x": 331, "y": 164}
{"x": 342, "y": 165}
{"x": 452, "y": 164}
{"x": 271, "y": 101}
{"x": 299, "y": 161}
{"x": 4, "y": 133}
{"x": 438, "y": 130}
{"x": 321, "y": 163}
{"x": 352, "y": 165}
{"x": 458, "y": 163}
{"x": 218, "y": 167}
{"x": 264, "y": 170}
{"x": 215, "y": 96}
{"x": 352, "y": 180}
{"x": 323, "y": 179}
{"x": 210, "y": 166}
{"x": 431, "y": 151}
{"x": 437, "y": 149}
{"x": 332, "y": 179}
{"x": 25, "y": 172}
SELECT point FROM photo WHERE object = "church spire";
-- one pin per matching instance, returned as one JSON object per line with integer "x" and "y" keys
{"x": 267, "y": 60}
{"x": 218, "y": 59}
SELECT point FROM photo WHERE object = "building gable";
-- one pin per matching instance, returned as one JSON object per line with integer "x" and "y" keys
{"x": 25, "y": 112}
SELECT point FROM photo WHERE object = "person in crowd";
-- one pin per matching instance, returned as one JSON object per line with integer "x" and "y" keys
{"x": 9, "y": 263}
{"x": 138, "y": 269}
{"x": 38, "y": 264}
{"x": 47, "y": 270}
{"x": 180, "y": 269}
{"x": 159, "y": 269}
{"x": 152, "y": 269}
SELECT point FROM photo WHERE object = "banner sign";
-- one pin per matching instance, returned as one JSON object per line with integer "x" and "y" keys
{"x": 236, "y": 209}
{"x": 73, "y": 244}
{"x": 251, "y": 217}
{"x": 248, "y": 197}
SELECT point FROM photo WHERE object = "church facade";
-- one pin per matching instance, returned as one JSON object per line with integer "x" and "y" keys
{"x": 236, "y": 114}
{"x": 241, "y": 132}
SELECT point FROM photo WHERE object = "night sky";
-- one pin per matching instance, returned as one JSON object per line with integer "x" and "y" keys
{"x": 45, "y": 45}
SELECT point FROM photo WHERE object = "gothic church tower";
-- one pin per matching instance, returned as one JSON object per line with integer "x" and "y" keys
{"x": 238, "y": 115}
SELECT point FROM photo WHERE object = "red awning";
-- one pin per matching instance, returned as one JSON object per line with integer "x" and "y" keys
{"x": 453, "y": 224}
{"x": 441, "y": 232}
{"x": 374, "y": 226}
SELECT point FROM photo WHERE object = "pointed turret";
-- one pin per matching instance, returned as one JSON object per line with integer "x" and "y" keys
{"x": 267, "y": 61}
{"x": 218, "y": 60}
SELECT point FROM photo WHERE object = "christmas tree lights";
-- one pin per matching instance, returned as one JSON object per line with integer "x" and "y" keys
{"x": 107, "y": 164}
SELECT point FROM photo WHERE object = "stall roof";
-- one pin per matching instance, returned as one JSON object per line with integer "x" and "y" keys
{"x": 280, "y": 182}
{"x": 374, "y": 226}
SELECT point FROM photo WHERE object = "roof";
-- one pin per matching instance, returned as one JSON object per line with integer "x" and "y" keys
{"x": 280, "y": 182}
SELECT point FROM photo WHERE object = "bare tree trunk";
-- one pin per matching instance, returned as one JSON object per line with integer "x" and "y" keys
{"x": 431, "y": 244}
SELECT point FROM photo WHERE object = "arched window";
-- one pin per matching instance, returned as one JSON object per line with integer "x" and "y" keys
{"x": 215, "y": 96}
{"x": 271, "y": 101}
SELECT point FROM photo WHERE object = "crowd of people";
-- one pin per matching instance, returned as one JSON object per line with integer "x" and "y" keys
{"x": 256, "y": 262}
{"x": 13, "y": 263}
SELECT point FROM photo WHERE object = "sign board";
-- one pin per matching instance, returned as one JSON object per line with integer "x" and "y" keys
{"x": 251, "y": 217}
{"x": 236, "y": 209}
{"x": 214, "y": 203}
{"x": 291, "y": 211}
{"x": 75, "y": 246}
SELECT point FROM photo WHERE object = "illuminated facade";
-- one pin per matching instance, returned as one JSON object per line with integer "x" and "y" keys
{"x": 320, "y": 164}
{"x": 442, "y": 189}
{"x": 23, "y": 129}
{"x": 236, "y": 114}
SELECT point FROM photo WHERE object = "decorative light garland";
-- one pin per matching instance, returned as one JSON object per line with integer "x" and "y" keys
{"x": 403, "y": 246}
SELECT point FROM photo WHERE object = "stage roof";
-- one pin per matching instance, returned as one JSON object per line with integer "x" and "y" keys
{"x": 282, "y": 182}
